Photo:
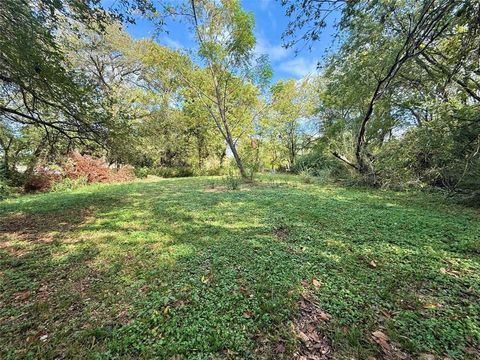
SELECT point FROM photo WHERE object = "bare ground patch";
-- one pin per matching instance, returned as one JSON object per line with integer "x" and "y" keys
{"x": 313, "y": 345}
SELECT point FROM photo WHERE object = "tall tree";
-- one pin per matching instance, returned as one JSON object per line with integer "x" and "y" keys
{"x": 224, "y": 33}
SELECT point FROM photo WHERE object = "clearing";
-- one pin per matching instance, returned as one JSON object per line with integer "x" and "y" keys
{"x": 181, "y": 268}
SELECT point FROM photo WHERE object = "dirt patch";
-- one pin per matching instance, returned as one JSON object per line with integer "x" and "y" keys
{"x": 215, "y": 189}
{"x": 281, "y": 231}
{"x": 313, "y": 345}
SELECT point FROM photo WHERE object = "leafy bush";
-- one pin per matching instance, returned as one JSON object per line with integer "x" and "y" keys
{"x": 171, "y": 172}
{"x": 306, "y": 176}
{"x": 142, "y": 172}
{"x": 232, "y": 181}
{"x": 124, "y": 173}
{"x": 435, "y": 156}
{"x": 94, "y": 169}
{"x": 6, "y": 190}
{"x": 76, "y": 171}
{"x": 320, "y": 164}
{"x": 324, "y": 175}
{"x": 69, "y": 184}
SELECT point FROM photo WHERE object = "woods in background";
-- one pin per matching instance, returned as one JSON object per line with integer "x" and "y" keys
{"x": 395, "y": 105}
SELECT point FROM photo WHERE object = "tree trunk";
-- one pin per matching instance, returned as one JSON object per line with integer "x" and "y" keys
{"x": 237, "y": 158}
{"x": 6, "y": 165}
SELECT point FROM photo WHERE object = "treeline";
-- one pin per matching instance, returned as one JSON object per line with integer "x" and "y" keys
{"x": 400, "y": 98}
{"x": 395, "y": 105}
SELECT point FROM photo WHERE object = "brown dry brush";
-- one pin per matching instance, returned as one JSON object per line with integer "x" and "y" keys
{"x": 94, "y": 170}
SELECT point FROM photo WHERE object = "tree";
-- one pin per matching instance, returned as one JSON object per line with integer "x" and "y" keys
{"x": 224, "y": 33}
{"x": 290, "y": 109}
{"x": 385, "y": 37}
{"x": 37, "y": 85}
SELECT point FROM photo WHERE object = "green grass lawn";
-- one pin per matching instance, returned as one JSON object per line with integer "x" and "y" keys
{"x": 177, "y": 269}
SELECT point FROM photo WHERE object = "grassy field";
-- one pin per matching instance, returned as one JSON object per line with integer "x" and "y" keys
{"x": 185, "y": 268}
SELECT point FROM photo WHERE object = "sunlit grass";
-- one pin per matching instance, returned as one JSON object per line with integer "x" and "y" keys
{"x": 158, "y": 268}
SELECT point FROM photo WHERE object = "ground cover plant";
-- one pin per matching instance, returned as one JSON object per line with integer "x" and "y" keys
{"x": 181, "y": 269}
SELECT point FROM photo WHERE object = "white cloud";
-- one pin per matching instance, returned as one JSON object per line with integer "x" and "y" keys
{"x": 299, "y": 67}
{"x": 274, "y": 52}
{"x": 174, "y": 44}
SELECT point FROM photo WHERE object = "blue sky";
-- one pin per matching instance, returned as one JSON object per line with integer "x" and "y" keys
{"x": 270, "y": 22}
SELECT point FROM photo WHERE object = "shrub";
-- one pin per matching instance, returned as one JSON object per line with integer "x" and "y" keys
{"x": 142, "y": 172}
{"x": 324, "y": 175}
{"x": 171, "y": 172}
{"x": 6, "y": 189}
{"x": 232, "y": 182}
{"x": 76, "y": 171}
{"x": 95, "y": 170}
{"x": 42, "y": 179}
{"x": 320, "y": 164}
{"x": 306, "y": 176}
{"x": 124, "y": 173}
{"x": 69, "y": 184}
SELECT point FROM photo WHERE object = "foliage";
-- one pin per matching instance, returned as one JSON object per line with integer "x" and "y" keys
{"x": 74, "y": 172}
{"x": 306, "y": 176}
{"x": 286, "y": 126}
{"x": 169, "y": 257}
{"x": 94, "y": 169}
{"x": 68, "y": 184}
{"x": 171, "y": 171}
{"x": 142, "y": 172}
{"x": 6, "y": 190}
{"x": 402, "y": 78}
{"x": 396, "y": 102}
{"x": 232, "y": 181}
{"x": 42, "y": 179}
{"x": 227, "y": 86}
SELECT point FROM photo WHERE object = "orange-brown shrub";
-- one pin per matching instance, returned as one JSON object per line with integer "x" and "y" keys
{"x": 77, "y": 166}
{"x": 95, "y": 170}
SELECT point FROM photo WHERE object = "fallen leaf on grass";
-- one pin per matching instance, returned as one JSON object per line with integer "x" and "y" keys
{"x": 313, "y": 336}
{"x": 386, "y": 313}
{"x": 324, "y": 316}
{"x": 449, "y": 272}
{"x": 247, "y": 314}
{"x": 381, "y": 339}
{"x": 373, "y": 264}
{"x": 280, "y": 348}
{"x": 303, "y": 337}
{"x": 144, "y": 289}
{"x": 380, "y": 335}
{"x": 21, "y": 295}
{"x": 316, "y": 283}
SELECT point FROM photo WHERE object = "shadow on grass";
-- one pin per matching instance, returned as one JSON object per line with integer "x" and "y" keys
{"x": 170, "y": 269}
